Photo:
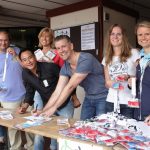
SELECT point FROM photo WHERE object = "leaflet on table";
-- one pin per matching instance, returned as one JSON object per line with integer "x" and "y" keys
{"x": 144, "y": 128}
{"x": 27, "y": 124}
{"x": 110, "y": 129}
{"x": 40, "y": 119}
{"x": 62, "y": 121}
{"x": 6, "y": 114}
{"x": 32, "y": 121}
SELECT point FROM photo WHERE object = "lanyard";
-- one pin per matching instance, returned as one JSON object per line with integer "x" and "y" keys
{"x": 145, "y": 58}
{"x": 5, "y": 67}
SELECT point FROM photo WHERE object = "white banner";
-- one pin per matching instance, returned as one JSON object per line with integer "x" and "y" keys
{"x": 74, "y": 145}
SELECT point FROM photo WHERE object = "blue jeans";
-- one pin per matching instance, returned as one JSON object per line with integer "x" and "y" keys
{"x": 2, "y": 131}
{"x": 38, "y": 139}
{"x": 124, "y": 109}
{"x": 38, "y": 102}
{"x": 66, "y": 111}
{"x": 92, "y": 107}
{"x": 38, "y": 142}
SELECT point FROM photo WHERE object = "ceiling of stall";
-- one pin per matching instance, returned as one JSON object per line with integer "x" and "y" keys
{"x": 17, "y": 13}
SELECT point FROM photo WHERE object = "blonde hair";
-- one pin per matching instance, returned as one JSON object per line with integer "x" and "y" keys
{"x": 125, "y": 49}
{"x": 51, "y": 35}
{"x": 142, "y": 24}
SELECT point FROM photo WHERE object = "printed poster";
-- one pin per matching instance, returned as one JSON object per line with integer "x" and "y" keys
{"x": 65, "y": 31}
{"x": 88, "y": 37}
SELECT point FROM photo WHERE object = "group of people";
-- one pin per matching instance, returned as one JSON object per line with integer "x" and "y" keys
{"x": 49, "y": 84}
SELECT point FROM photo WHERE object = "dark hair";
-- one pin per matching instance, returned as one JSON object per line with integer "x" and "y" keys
{"x": 24, "y": 50}
{"x": 7, "y": 33}
{"x": 4, "y": 31}
{"x": 62, "y": 37}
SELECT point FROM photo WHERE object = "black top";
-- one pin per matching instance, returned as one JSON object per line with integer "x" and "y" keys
{"x": 46, "y": 71}
{"x": 143, "y": 92}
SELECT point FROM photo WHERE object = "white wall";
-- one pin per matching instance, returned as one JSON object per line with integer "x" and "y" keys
{"x": 128, "y": 22}
{"x": 75, "y": 18}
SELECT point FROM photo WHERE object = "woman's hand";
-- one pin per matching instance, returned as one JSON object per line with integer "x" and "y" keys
{"x": 36, "y": 112}
{"x": 49, "y": 112}
{"x": 109, "y": 83}
{"x": 147, "y": 120}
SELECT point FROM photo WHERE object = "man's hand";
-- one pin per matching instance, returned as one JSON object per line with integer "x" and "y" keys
{"x": 11, "y": 51}
{"x": 147, "y": 120}
{"x": 36, "y": 112}
{"x": 49, "y": 112}
{"x": 22, "y": 109}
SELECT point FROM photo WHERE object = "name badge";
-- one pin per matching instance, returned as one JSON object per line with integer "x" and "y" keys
{"x": 50, "y": 55}
{"x": 38, "y": 54}
{"x": 45, "y": 83}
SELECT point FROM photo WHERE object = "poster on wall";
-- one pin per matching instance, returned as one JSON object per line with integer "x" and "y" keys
{"x": 88, "y": 37}
{"x": 65, "y": 31}
{"x": 73, "y": 145}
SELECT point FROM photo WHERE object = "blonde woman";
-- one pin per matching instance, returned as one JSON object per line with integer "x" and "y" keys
{"x": 143, "y": 71}
{"x": 46, "y": 38}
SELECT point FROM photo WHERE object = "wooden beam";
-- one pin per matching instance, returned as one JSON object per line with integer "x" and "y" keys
{"x": 120, "y": 8}
{"x": 72, "y": 8}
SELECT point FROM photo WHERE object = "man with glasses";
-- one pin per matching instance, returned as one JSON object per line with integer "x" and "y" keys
{"x": 41, "y": 77}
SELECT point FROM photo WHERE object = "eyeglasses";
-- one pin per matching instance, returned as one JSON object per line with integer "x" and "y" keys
{"x": 116, "y": 34}
{"x": 27, "y": 58}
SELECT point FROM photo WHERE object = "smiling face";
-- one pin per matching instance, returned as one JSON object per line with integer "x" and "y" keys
{"x": 28, "y": 60}
{"x": 45, "y": 39}
{"x": 116, "y": 37}
{"x": 64, "y": 48}
{"x": 143, "y": 36}
{"x": 4, "y": 41}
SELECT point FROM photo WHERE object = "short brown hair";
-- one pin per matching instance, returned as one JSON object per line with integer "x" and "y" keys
{"x": 61, "y": 37}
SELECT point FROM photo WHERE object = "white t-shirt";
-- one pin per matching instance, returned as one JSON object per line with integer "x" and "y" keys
{"x": 117, "y": 68}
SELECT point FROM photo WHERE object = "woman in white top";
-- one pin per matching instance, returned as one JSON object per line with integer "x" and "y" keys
{"x": 119, "y": 65}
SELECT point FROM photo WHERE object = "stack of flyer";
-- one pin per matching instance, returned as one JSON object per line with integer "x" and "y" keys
{"x": 110, "y": 129}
